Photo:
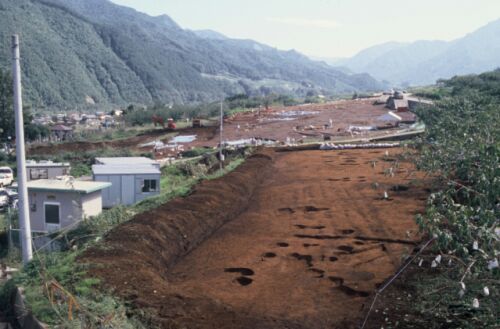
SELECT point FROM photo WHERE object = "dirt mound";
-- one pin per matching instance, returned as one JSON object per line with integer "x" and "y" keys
{"x": 150, "y": 243}
{"x": 288, "y": 240}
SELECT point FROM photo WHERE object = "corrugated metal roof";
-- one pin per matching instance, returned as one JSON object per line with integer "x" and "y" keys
{"x": 126, "y": 161}
{"x": 31, "y": 163}
{"x": 125, "y": 169}
{"x": 400, "y": 103}
{"x": 66, "y": 185}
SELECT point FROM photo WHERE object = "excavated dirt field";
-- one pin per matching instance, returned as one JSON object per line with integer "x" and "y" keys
{"x": 292, "y": 123}
{"x": 287, "y": 240}
{"x": 302, "y": 121}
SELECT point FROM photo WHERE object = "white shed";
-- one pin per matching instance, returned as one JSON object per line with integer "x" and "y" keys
{"x": 131, "y": 182}
{"x": 56, "y": 204}
{"x": 46, "y": 169}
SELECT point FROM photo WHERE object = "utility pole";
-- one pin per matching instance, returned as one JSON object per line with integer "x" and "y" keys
{"x": 221, "y": 155}
{"x": 24, "y": 219}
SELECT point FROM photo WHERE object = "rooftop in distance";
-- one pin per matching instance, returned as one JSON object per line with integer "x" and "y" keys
{"x": 43, "y": 163}
{"x": 129, "y": 161}
{"x": 125, "y": 169}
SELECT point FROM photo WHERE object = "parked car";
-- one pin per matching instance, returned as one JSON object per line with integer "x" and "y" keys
{"x": 6, "y": 176}
{"x": 4, "y": 199}
{"x": 13, "y": 197}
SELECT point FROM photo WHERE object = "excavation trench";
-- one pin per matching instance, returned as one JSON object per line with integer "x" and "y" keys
{"x": 284, "y": 241}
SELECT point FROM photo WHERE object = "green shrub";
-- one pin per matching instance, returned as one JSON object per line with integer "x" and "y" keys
{"x": 80, "y": 169}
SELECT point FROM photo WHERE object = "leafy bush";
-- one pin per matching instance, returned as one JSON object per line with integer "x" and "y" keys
{"x": 80, "y": 169}
{"x": 196, "y": 152}
{"x": 461, "y": 150}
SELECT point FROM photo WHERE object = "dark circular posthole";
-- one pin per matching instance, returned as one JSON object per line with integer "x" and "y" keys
{"x": 345, "y": 248}
{"x": 269, "y": 255}
{"x": 244, "y": 281}
{"x": 241, "y": 270}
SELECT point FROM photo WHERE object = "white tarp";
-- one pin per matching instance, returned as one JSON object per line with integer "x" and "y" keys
{"x": 250, "y": 141}
{"x": 330, "y": 146}
{"x": 297, "y": 113}
{"x": 360, "y": 128}
{"x": 154, "y": 144}
{"x": 389, "y": 116}
{"x": 183, "y": 139}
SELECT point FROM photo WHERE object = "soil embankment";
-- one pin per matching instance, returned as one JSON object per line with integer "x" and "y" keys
{"x": 288, "y": 240}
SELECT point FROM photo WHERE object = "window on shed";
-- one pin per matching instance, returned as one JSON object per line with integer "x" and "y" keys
{"x": 52, "y": 214}
{"x": 150, "y": 185}
{"x": 39, "y": 174}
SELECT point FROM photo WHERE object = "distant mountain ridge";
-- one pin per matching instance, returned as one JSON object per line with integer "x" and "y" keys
{"x": 77, "y": 53}
{"x": 424, "y": 62}
{"x": 210, "y": 34}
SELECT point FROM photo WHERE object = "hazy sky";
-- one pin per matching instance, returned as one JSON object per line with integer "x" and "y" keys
{"x": 327, "y": 28}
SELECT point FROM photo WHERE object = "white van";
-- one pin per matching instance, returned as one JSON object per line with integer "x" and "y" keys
{"x": 6, "y": 176}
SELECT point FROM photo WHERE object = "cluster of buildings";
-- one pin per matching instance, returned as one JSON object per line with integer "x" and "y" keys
{"x": 62, "y": 125}
{"x": 400, "y": 106}
{"x": 57, "y": 200}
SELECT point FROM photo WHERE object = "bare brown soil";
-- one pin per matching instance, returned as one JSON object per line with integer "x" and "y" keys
{"x": 276, "y": 124}
{"x": 288, "y": 240}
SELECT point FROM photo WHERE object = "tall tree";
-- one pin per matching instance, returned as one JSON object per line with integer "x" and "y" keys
{"x": 7, "y": 116}
{"x": 7, "y": 126}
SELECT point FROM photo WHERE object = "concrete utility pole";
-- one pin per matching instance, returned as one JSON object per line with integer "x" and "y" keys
{"x": 221, "y": 155}
{"x": 24, "y": 219}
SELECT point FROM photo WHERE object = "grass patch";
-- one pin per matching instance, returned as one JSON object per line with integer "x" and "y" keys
{"x": 3, "y": 221}
{"x": 110, "y": 134}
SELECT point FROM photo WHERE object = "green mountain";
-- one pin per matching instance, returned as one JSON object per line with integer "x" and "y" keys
{"x": 81, "y": 53}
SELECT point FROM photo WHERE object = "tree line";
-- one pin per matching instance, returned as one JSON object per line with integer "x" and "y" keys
{"x": 7, "y": 116}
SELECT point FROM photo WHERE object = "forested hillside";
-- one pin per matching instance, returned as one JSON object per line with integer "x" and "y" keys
{"x": 79, "y": 53}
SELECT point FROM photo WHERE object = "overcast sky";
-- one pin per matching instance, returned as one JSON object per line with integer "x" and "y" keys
{"x": 327, "y": 28}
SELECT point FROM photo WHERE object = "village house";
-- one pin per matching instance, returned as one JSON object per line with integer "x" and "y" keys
{"x": 132, "y": 179}
{"x": 402, "y": 102}
{"x": 55, "y": 204}
{"x": 397, "y": 102}
{"x": 61, "y": 133}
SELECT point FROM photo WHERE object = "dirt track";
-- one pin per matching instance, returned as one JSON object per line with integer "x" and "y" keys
{"x": 306, "y": 240}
